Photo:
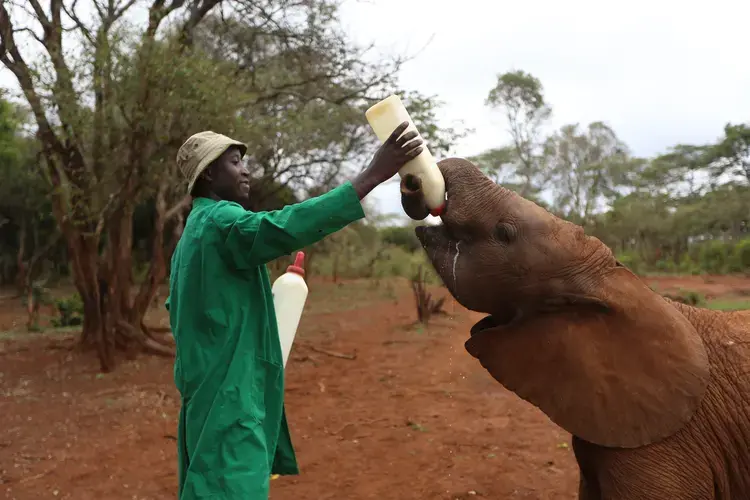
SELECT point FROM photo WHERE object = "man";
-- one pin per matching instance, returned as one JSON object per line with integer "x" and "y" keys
{"x": 233, "y": 431}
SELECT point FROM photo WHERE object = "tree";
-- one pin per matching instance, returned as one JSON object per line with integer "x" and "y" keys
{"x": 585, "y": 166}
{"x": 28, "y": 229}
{"x": 731, "y": 155}
{"x": 521, "y": 96}
{"x": 277, "y": 74}
{"x": 108, "y": 139}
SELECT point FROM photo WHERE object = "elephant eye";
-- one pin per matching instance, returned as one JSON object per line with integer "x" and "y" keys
{"x": 505, "y": 233}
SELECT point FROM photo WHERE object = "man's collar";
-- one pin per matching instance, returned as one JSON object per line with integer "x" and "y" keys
{"x": 203, "y": 201}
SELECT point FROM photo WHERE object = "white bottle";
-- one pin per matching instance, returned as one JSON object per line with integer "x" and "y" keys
{"x": 384, "y": 117}
{"x": 289, "y": 295}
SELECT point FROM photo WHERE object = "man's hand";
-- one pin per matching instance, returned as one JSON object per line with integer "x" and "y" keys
{"x": 392, "y": 155}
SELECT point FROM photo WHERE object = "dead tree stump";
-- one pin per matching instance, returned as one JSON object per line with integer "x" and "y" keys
{"x": 426, "y": 305}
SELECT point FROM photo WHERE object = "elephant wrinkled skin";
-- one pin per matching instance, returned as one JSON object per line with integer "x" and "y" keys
{"x": 655, "y": 393}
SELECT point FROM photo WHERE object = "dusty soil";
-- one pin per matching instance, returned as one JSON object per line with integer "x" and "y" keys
{"x": 412, "y": 417}
{"x": 711, "y": 286}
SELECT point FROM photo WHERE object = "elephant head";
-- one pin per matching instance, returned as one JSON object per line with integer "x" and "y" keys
{"x": 569, "y": 328}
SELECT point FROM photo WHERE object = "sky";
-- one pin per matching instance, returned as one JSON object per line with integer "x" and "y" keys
{"x": 660, "y": 72}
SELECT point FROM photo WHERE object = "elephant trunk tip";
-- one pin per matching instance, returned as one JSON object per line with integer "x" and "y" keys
{"x": 410, "y": 185}
{"x": 413, "y": 200}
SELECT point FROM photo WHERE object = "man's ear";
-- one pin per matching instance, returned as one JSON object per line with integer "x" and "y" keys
{"x": 624, "y": 371}
{"x": 208, "y": 174}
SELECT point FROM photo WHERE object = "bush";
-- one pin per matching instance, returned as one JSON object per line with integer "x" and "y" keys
{"x": 714, "y": 257}
{"x": 688, "y": 266}
{"x": 689, "y": 297}
{"x": 741, "y": 256}
{"x": 632, "y": 261}
{"x": 666, "y": 266}
{"x": 401, "y": 236}
{"x": 70, "y": 311}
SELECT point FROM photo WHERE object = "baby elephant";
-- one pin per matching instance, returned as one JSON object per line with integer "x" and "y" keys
{"x": 655, "y": 393}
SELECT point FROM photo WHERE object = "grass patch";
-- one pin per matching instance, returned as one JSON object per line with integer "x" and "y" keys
{"x": 729, "y": 304}
{"x": 689, "y": 297}
{"x": 21, "y": 333}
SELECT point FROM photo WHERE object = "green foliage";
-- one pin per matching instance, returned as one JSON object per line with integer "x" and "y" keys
{"x": 741, "y": 256}
{"x": 689, "y": 297}
{"x": 69, "y": 310}
{"x": 714, "y": 257}
{"x": 688, "y": 266}
{"x": 521, "y": 166}
{"x": 729, "y": 304}
{"x": 632, "y": 261}
{"x": 401, "y": 236}
{"x": 732, "y": 153}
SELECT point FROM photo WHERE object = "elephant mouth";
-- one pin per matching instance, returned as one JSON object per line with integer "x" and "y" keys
{"x": 487, "y": 327}
{"x": 495, "y": 321}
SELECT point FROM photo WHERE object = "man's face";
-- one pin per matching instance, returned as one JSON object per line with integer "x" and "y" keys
{"x": 229, "y": 179}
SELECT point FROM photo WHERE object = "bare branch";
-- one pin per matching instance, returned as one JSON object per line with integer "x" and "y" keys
{"x": 71, "y": 13}
{"x": 118, "y": 13}
{"x": 30, "y": 32}
{"x": 40, "y": 15}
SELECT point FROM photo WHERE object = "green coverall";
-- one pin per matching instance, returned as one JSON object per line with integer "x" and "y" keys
{"x": 233, "y": 433}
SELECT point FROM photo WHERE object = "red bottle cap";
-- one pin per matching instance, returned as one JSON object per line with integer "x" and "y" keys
{"x": 437, "y": 212}
{"x": 299, "y": 264}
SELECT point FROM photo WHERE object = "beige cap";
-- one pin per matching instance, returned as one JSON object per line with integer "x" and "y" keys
{"x": 200, "y": 150}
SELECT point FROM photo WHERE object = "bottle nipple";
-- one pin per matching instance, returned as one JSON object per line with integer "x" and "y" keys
{"x": 299, "y": 264}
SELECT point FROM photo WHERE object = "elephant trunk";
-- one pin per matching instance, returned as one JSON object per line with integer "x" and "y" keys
{"x": 412, "y": 198}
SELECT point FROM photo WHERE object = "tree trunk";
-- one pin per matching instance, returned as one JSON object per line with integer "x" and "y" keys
{"x": 112, "y": 320}
{"x": 21, "y": 269}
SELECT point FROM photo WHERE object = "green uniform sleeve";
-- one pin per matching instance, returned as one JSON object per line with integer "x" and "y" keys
{"x": 255, "y": 238}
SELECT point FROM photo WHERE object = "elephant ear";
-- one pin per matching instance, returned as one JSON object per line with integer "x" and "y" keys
{"x": 624, "y": 375}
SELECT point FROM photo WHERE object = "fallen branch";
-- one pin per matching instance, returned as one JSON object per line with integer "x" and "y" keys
{"x": 307, "y": 357}
{"x": 333, "y": 354}
{"x": 357, "y": 424}
{"x": 38, "y": 476}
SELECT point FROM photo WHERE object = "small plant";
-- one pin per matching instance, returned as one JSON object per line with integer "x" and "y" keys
{"x": 632, "y": 261}
{"x": 714, "y": 257}
{"x": 70, "y": 311}
{"x": 36, "y": 296}
{"x": 426, "y": 305}
{"x": 689, "y": 297}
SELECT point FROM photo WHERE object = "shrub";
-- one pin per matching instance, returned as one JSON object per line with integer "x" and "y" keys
{"x": 688, "y": 266}
{"x": 741, "y": 256}
{"x": 714, "y": 257}
{"x": 666, "y": 265}
{"x": 70, "y": 311}
{"x": 401, "y": 236}
{"x": 632, "y": 261}
{"x": 690, "y": 297}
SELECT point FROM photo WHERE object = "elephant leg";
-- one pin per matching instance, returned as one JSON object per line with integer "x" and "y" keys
{"x": 588, "y": 484}
{"x": 585, "y": 491}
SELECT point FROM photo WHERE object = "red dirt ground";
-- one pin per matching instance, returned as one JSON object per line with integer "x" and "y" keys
{"x": 412, "y": 417}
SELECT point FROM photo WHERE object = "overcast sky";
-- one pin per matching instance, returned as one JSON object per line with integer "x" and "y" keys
{"x": 659, "y": 72}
